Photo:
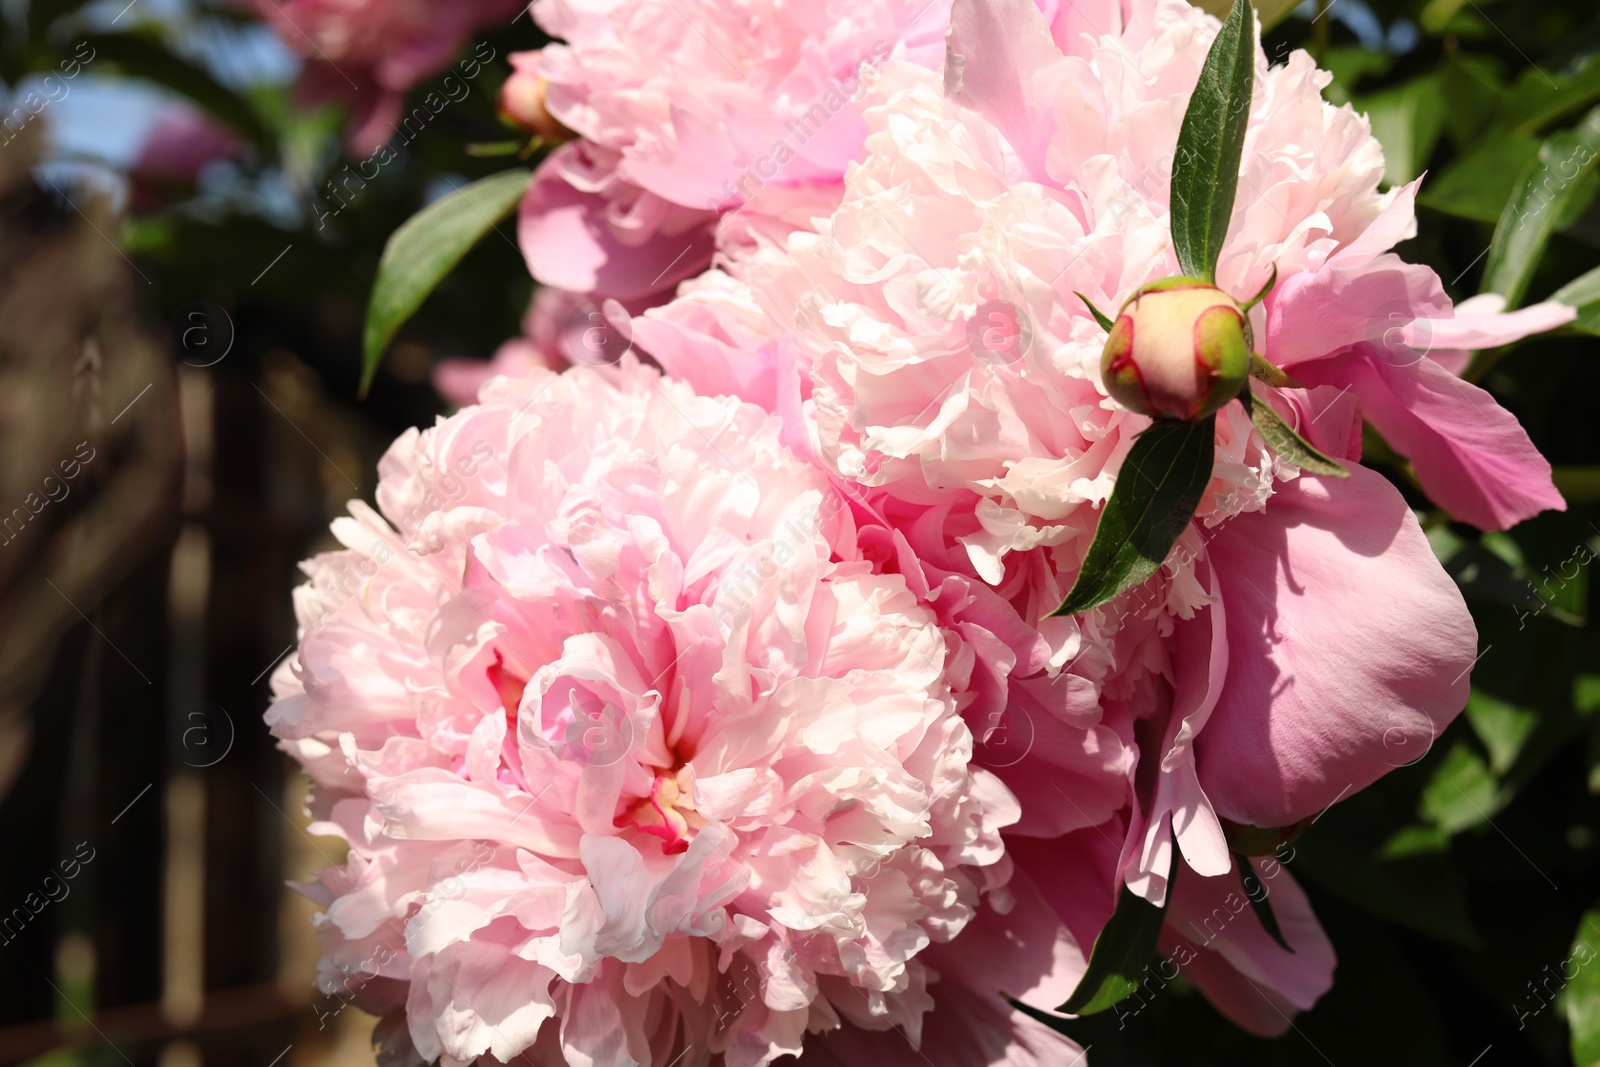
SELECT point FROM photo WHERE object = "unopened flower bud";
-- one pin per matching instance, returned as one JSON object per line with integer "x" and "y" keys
{"x": 522, "y": 99}
{"x": 1180, "y": 349}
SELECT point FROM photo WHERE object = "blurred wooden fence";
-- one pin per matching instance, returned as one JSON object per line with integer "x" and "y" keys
{"x": 147, "y": 821}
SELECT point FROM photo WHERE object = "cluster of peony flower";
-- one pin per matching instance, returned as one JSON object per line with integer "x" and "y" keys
{"x": 367, "y": 53}
{"x": 718, "y": 715}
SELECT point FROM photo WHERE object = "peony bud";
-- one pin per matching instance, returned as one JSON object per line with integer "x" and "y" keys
{"x": 522, "y": 102}
{"x": 1180, "y": 349}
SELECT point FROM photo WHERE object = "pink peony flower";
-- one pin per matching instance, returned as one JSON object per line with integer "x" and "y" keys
{"x": 560, "y": 329}
{"x": 1364, "y": 320}
{"x": 686, "y": 114}
{"x": 178, "y": 147}
{"x": 686, "y": 111}
{"x": 639, "y": 759}
{"x": 521, "y": 99}
{"x": 369, "y": 53}
{"x": 925, "y": 342}
{"x": 692, "y": 96}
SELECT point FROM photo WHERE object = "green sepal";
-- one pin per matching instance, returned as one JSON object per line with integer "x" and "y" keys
{"x": 1122, "y": 948}
{"x": 1205, "y": 172}
{"x": 1099, "y": 316}
{"x": 1155, "y": 497}
{"x": 1263, "y": 906}
{"x": 1283, "y": 440}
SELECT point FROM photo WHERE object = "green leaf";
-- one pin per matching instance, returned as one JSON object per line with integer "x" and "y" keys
{"x": 1205, "y": 176}
{"x": 1462, "y": 793}
{"x": 1157, "y": 491}
{"x": 1122, "y": 949}
{"x": 1262, "y": 906}
{"x": 1581, "y": 1000}
{"x": 1583, "y": 293}
{"x": 1349, "y": 65}
{"x": 1479, "y": 184}
{"x": 1475, "y": 87}
{"x": 1438, "y": 13}
{"x": 1585, "y": 701}
{"x": 140, "y": 56}
{"x": 1282, "y": 439}
{"x": 1415, "y": 840}
{"x": 1414, "y": 887}
{"x": 1444, "y": 541}
{"x": 1503, "y": 728}
{"x": 1408, "y": 121}
{"x": 1549, "y": 189}
{"x": 425, "y": 249}
{"x": 1586, "y": 693}
{"x": 1538, "y": 100}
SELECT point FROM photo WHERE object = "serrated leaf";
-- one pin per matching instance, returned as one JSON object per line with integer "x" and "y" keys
{"x": 1121, "y": 950}
{"x": 1549, "y": 190}
{"x": 1157, "y": 491}
{"x": 1205, "y": 173}
{"x": 1580, "y": 1001}
{"x": 1262, "y": 905}
{"x": 426, "y": 248}
{"x": 1282, "y": 439}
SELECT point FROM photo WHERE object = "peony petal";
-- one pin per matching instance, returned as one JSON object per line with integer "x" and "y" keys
{"x": 1315, "y": 315}
{"x": 994, "y": 49}
{"x": 1471, "y": 455}
{"x": 1483, "y": 322}
{"x": 1238, "y": 965}
{"x": 572, "y": 239}
{"x": 1349, "y": 649}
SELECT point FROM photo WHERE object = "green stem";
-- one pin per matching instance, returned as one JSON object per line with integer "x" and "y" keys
{"x": 1274, "y": 376}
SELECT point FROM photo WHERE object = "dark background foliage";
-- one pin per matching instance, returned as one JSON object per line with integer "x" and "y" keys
{"x": 1453, "y": 890}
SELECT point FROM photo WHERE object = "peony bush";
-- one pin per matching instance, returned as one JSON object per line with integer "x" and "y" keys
{"x": 723, "y": 682}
